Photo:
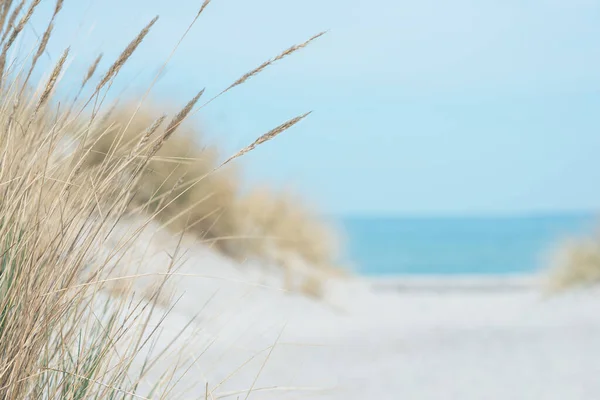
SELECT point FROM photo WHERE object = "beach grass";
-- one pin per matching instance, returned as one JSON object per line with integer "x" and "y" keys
{"x": 576, "y": 263}
{"x": 188, "y": 187}
{"x": 68, "y": 177}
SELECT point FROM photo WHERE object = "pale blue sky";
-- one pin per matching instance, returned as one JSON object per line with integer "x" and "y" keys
{"x": 429, "y": 106}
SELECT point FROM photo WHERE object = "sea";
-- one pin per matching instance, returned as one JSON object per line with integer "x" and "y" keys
{"x": 483, "y": 245}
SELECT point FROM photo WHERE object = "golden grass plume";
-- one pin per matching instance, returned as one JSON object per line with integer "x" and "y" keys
{"x": 576, "y": 263}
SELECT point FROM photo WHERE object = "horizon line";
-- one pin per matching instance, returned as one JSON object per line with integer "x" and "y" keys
{"x": 458, "y": 215}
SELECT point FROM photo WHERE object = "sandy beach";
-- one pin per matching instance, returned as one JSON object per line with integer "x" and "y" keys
{"x": 299, "y": 200}
{"x": 424, "y": 339}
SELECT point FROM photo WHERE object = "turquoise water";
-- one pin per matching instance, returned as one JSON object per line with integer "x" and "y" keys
{"x": 494, "y": 245}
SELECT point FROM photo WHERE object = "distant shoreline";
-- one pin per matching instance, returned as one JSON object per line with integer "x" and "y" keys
{"x": 443, "y": 283}
{"x": 467, "y": 216}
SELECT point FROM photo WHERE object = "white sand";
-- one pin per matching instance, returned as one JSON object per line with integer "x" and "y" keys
{"x": 374, "y": 344}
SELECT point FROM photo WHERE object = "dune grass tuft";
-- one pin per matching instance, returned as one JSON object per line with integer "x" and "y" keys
{"x": 68, "y": 176}
{"x": 60, "y": 335}
{"x": 188, "y": 188}
{"x": 575, "y": 264}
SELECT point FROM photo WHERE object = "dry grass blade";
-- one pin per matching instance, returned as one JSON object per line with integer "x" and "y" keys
{"x": 40, "y": 50}
{"x": 52, "y": 80}
{"x": 290, "y": 389}
{"x": 162, "y": 68}
{"x": 264, "y": 65}
{"x": 147, "y": 134}
{"x": 21, "y": 25}
{"x": 58, "y": 7}
{"x": 181, "y": 115}
{"x": 91, "y": 70}
{"x": 124, "y": 56}
{"x": 12, "y": 19}
{"x": 264, "y": 362}
{"x": 43, "y": 43}
{"x": 175, "y": 122}
{"x": 114, "y": 389}
{"x": 45, "y": 38}
{"x": 266, "y": 137}
{"x": 204, "y": 5}
{"x": 14, "y": 32}
{"x": 47, "y": 34}
{"x": 6, "y": 5}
